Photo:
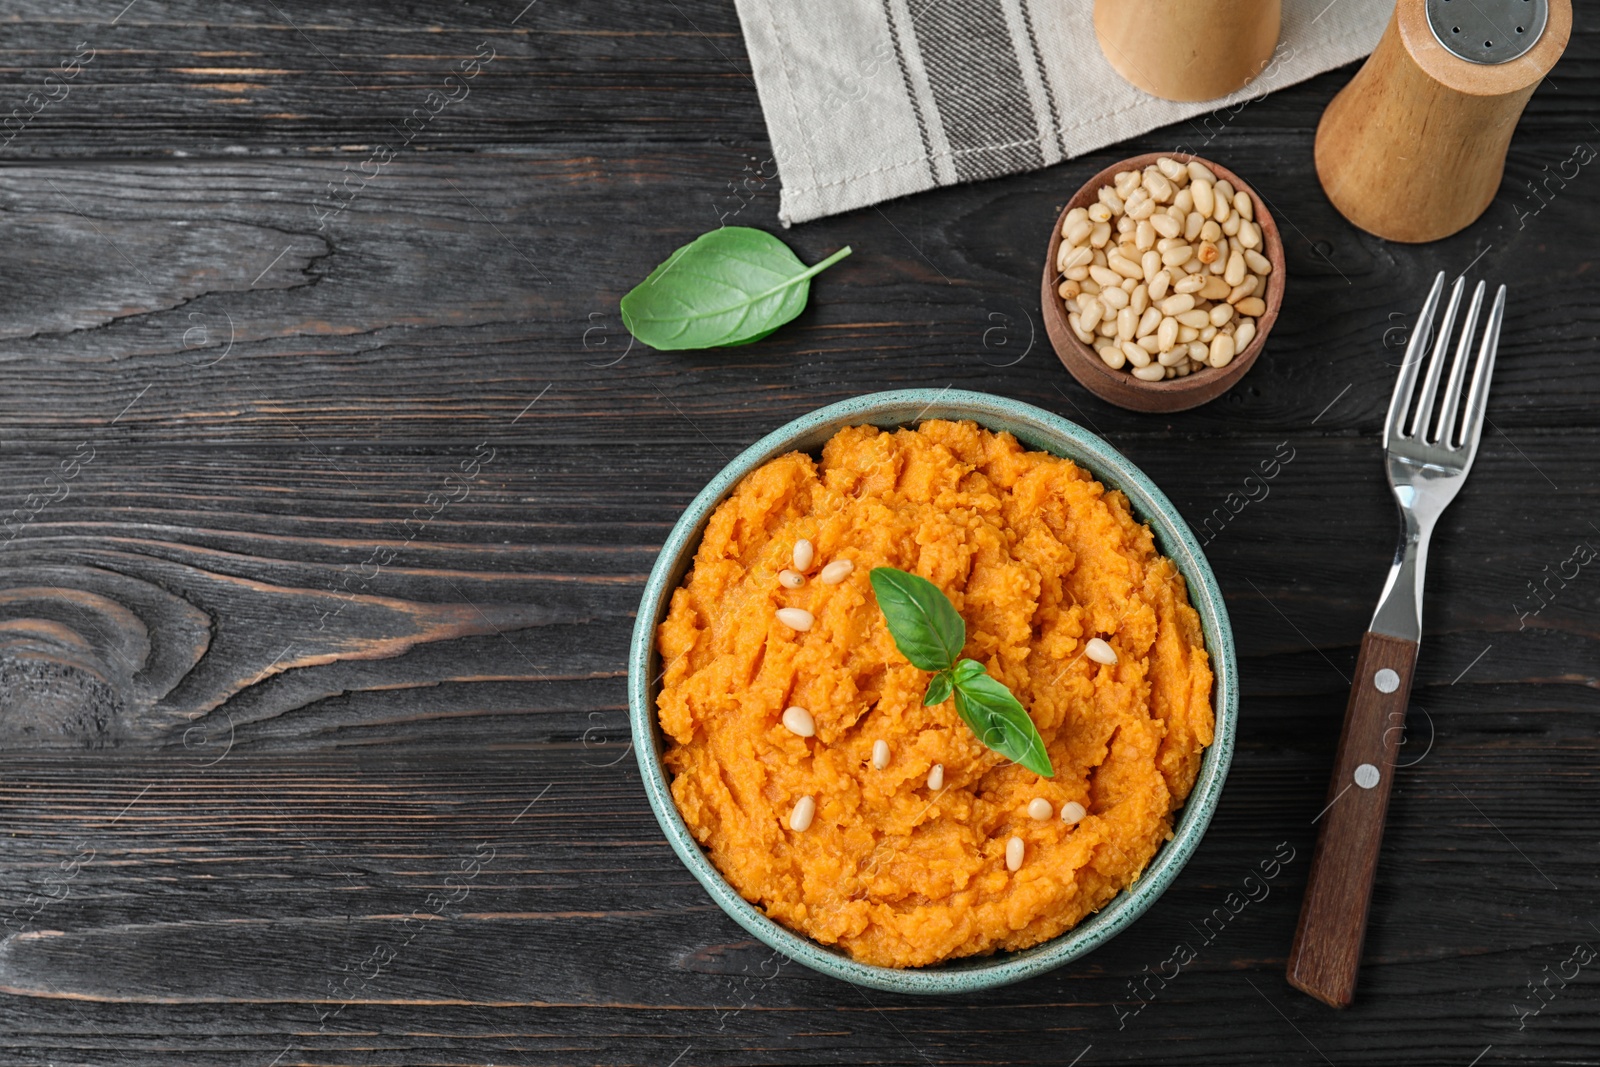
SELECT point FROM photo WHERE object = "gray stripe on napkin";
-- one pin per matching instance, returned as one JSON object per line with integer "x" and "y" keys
{"x": 977, "y": 85}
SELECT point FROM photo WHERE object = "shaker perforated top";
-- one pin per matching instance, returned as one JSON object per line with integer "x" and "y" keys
{"x": 1488, "y": 31}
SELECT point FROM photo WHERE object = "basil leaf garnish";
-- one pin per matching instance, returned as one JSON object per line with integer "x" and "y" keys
{"x": 731, "y": 286}
{"x": 924, "y": 624}
{"x": 1001, "y": 722}
{"x": 929, "y": 633}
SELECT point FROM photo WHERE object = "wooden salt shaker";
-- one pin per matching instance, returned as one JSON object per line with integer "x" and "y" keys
{"x": 1414, "y": 147}
{"x": 1188, "y": 49}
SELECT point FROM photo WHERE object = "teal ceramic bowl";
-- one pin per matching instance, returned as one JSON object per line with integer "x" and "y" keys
{"x": 1035, "y": 428}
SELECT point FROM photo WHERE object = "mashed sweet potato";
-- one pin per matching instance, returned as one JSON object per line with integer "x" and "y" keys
{"x": 1038, "y": 558}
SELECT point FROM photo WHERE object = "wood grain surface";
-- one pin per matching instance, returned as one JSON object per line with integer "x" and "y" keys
{"x": 326, "y": 513}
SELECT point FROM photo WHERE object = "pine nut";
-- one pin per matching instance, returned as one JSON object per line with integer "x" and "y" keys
{"x": 1184, "y": 202}
{"x": 1253, "y": 306}
{"x": 804, "y": 553}
{"x": 1100, "y": 213}
{"x": 1223, "y": 211}
{"x": 1014, "y": 853}
{"x": 1127, "y": 322}
{"x": 1198, "y": 352}
{"x": 1072, "y": 812}
{"x": 1110, "y": 200}
{"x": 1207, "y": 332}
{"x": 936, "y": 777}
{"x": 1153, "y": 372}
{"x": 1144, "y": 236}
{"x": 836, "y": 572}
{"x": 1193, "y": 284}
{"x": 1205, "y": 200}
{"x": 1067, "y": 289}
{"x": 1140, "y": 299}
{"x": 1187, "y": 334}
{"x": 1173, "y": 170}
{"x": 791, "y": 579}
{"x": 1235, "y": 272}
{"x": 1197, "y": 318}
{"x": 1166, "y": 225}
{"x": 1173, "y": 357}
{"x": 1078, "y": 256}
{"x": 1244, "y": 205}
{"x": 1040, "y": 809}
{"x": 1077, "y": 233}
{"x": 1114, "y": 298}
{"x": 1136, "y": 355}
{"x": 1198, "y": 171}
{"x": 1167, "y": 335}
{"x": 1244, "y": 334}
{"x": 880, "y": 754}
{"x": 1208, "y": 253}
{"x": 1149, "y": 320}
{"x": 1193, "y": 224}
{"x": 1250, "y": 235}
{"x": 1176, "y": 257}
{"x": 799, "y": 721}
{"x": 1231, "y": 227}
{"x": 1076, "y": 274}
{"x": 1112, "y": 356}
{"x": 1159, "y": 187}
{"x": 1076, "y": 325}
{"x": 1159, "y": 283}
{"x": 1101, "y": 233}
{"x": 1215, "y": 289}
{"x": 1240, "y": 291}
{"x": 1104, "y": 276}
{"x": 797, "y": 618}
{"x": 1149, "y": 343}
{"x": 1257, "y": 262}
{"x": 1221, "y": 350}
{"x": 1221, "y": 314}
{"x": 805, "y": 809}
{"x": 1123, "y": 266}
{"x": 1076, "y": 215}
{"x": 1125, "y": 183}
{"x": 1090, "y": 312}
{"x": 1176, "y": 305}
{"x": 1100, "y": 650}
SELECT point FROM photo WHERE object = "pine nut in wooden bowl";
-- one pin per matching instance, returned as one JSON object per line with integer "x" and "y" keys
{"x": 1147, "y": 333}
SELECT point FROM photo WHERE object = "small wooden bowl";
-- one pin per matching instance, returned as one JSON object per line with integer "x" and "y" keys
{"x": 1118, "y": 386}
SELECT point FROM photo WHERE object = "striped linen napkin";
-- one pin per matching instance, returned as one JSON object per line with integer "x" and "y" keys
{"x": 866, "y": 100}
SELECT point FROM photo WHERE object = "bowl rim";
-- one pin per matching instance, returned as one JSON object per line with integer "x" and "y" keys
{"x": 1174, "y": 394}
{"x": 1037, "y": 429}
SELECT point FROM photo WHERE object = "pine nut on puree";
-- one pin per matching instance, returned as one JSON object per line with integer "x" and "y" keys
{"x": 839, "y": 833}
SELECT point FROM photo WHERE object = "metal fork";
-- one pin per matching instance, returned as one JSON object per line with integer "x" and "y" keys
{"x": 1428, "y": 458}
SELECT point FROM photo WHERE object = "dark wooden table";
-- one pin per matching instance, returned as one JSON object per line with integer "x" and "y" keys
{"x": 331, "y": 483}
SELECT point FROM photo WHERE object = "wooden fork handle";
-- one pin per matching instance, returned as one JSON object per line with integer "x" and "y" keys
{"x": 1333, "y": 919}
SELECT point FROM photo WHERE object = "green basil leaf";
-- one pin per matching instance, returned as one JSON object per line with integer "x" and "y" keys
{"x": 1001, "y": 723}
{"x": 967, "y": 670}
{"x": 939, "y": 688}
{"x": 731, "y": 286}
{"x": 924, "y": 624}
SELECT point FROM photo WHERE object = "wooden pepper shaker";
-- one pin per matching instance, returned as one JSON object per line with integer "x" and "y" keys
{"x": 1414, "y": 147}
{"x": 1188, "y": 49}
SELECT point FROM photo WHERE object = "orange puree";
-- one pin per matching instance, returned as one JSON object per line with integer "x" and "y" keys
{"x": 1038, "y": 558}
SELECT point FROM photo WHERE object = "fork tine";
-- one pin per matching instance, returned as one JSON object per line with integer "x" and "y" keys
{"x": 1441, "y": 344}
{"x": 1478, "y": 398}
{"x": 1444, "y": 429}
{"x": 1406, "y": 382}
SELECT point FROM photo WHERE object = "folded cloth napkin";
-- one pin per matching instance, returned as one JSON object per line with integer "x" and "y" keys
{"x": 867, "y": 100}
